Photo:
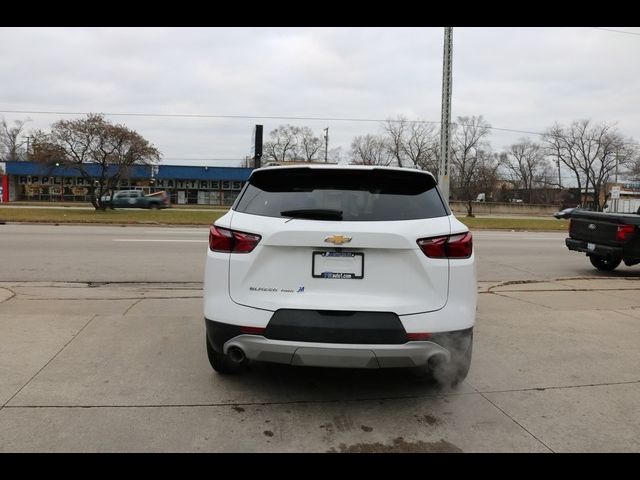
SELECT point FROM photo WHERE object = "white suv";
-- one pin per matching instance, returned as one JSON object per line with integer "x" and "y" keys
{"x": 341, "y": 266}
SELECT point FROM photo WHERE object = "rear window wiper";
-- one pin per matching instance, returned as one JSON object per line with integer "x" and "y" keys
{"x": 314, "y": 214}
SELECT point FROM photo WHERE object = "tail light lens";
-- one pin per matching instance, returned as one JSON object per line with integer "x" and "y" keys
{"x": 450, "y": 246}
{"x": 624, "y": 232}
{"x": 231, "y": 241}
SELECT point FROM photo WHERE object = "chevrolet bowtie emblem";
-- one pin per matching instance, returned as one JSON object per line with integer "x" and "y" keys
{"x": 338, "y": 239}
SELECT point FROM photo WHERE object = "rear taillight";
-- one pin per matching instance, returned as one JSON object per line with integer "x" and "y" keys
{"x": 230, "y": 241}
{"x": 624, "y": 232}
{"x": 450, "y": 246}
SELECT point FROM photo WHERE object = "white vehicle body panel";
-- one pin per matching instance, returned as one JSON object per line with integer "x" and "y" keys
{"x": 272, "y": 275}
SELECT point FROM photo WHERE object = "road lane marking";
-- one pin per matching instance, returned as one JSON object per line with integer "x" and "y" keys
{"x": 198, "y": 231}
{"x": 156, "y": 240}
{"x": 517, "y": 239}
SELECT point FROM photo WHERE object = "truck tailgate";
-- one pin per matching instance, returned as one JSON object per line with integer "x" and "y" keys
{"x": 599, "y": 228}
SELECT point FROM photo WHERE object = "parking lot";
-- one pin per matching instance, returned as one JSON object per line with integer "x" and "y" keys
{"x": 116, "y": 362}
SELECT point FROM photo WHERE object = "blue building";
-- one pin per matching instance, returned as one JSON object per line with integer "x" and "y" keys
{"x": 204, "y": 185}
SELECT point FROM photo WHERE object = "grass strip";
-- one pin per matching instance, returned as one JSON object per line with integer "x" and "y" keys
{"x": 205, "y": 217}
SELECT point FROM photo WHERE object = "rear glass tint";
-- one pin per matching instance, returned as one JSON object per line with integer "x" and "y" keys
{"x": 360, "y": 195}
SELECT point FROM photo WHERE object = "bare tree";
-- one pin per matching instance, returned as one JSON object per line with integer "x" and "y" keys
{"x": 309, "y": 146}
{"x": 632, "y": 152}
{"x": 526, "y": 165}
{"x": 99, "y": 151}
{"x": 591, "y": 152}
{"x": 412, "y": 143}
{"x": 487, "y": 178}
{"x": 282, "y": 144}
{"x": 422, "y": 146}
{"x": 469, "y": 149}
{"x": 12, "y": 139}
{"x": 371, "y": 150}
{"x": 395, "y": 138}
{"x": 289, "y": 143}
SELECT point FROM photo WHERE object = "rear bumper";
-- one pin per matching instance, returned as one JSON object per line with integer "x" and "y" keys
{"x": 411, "y": 354}
{"x": 598, "y": 250}
{"x": 338, "y": 355}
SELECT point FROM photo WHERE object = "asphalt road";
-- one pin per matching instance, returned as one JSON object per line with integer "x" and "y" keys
{"x": 117, "y": 367}
{"x": 164, "y": 254}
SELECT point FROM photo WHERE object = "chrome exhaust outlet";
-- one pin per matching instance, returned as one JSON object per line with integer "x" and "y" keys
{"x": 236, "y": 354}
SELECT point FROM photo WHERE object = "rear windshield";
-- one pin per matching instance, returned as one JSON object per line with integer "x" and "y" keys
{"x": 340, "y": 194}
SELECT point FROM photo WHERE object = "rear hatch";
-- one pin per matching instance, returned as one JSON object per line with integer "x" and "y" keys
{"x": 340, "y": 239}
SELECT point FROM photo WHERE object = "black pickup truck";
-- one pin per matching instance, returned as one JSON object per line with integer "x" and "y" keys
{"x": 606, "y": 238}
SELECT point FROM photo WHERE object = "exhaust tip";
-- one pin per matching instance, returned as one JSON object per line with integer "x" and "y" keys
{"x": 236, "y": 355}
{"x": 437, "y": 360}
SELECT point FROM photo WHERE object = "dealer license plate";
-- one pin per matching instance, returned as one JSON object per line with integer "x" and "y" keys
{"x": 338, "y": 265}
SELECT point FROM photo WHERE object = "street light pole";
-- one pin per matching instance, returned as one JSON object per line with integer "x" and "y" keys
{"x": 326, "y": 143}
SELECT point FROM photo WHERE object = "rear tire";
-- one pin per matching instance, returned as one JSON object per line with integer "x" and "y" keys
{"x": 606, "y": 264}
{"x": 222, "y": 363}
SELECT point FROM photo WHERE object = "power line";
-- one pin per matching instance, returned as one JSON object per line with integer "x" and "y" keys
{"x": 189, "y": 115}
{"x": 252, "y": 117}
{"x": 616, "y": 31}
{"x": 207, "y": 159}
{"x": 255, "y": 117}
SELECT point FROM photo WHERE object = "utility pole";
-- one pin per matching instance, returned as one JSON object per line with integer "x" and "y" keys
{"x": 326, "y": 143}
{"x": 616, "y": 200}
{"x": 445, "y": 125}
{"x": 257, "y": 151}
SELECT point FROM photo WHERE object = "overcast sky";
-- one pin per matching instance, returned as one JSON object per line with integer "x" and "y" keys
{"x": 517, "y": 78}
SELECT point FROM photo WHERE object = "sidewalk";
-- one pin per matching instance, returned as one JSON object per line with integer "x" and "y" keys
{"x": 123, "y": 368}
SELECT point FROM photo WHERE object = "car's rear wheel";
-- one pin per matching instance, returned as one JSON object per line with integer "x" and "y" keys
{"x": 222, "y": 363}
{"x": 606, "y": 264}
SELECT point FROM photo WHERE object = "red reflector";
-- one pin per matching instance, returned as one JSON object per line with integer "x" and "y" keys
{"x": 415, "y": 337}
{"x": 252, "y": 330}
{"x": 624, "y": 232}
